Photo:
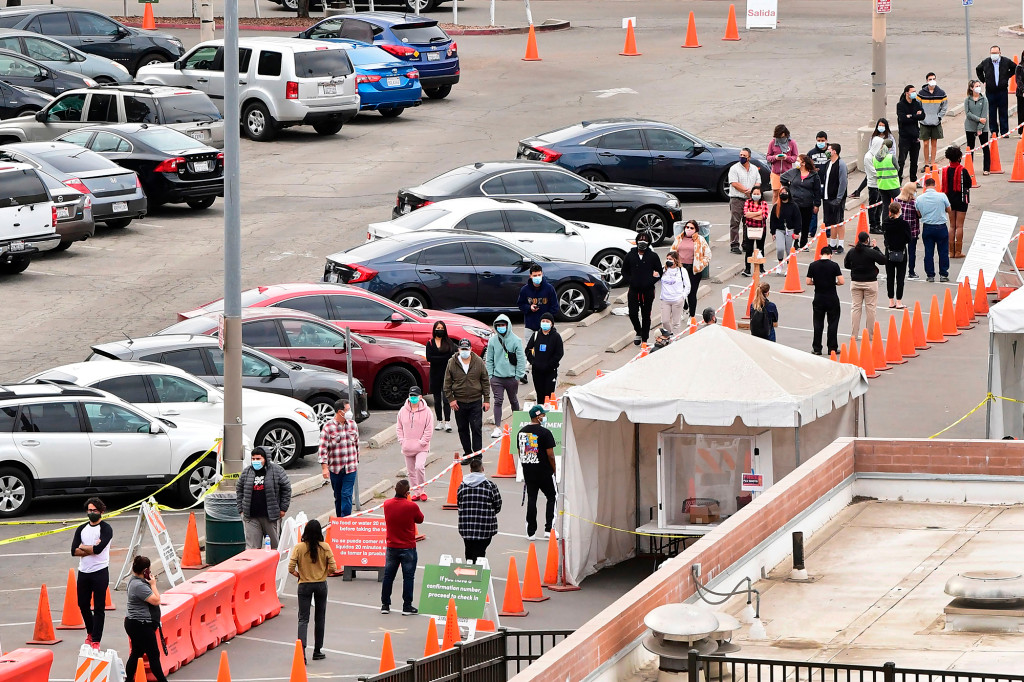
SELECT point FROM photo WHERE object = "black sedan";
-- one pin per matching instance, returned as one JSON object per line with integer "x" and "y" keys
{"x": 463, "y": 272}
{"x": 172, "y": 167}
{"x": 640, "y": 152}
{"x": 553, "y": 189}
{"x": 19, "y": 101}
{"x": 17, "y": 69}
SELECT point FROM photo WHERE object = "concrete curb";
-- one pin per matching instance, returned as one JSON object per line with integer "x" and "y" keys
{"x": 594, "y": 318}
{"x": 568, "y": 333}
{"x": 583, "y": 366}
{"x": 385, "y": 437}
{"x": 1010, "y": 31}
{"x": 548, "y": 25}
{"x": 728, "y": 272}
{"x": 621, "y": 298}
{"x": 431, "y": 458}
{"x": 702, "y": 291}
{"x": 627, "y": 339}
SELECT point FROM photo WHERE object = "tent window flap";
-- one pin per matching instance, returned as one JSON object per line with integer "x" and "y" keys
{"x": 700, "y": 467}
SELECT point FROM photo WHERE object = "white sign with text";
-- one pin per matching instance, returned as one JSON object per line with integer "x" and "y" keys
{"x": 762, "y": 13}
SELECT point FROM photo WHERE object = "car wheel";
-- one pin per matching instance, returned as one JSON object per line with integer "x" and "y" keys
{"x": 593, "y": 176}
{"x": 198, "y": 481}
{"x": 439, "y": 92}
{"x": 392, "y": 113}
{"x": 15, "y": 492}
{"x": 573, "y": 302}
{"x": 258, "y": 123}
{"x": 150, "y": 58}
{"x": 118, "y": 223}
{"x": 63, "y": 246}
{"x": 326, "y": 128}
{"x": 609, "y": 262}
{"x": 412, "y": 299}
{"x": 290, "y": 5}
{"x": 281, "y": 441}
{"x": 653, "y": 221}
{"x": 419, "y": 6}
{"x": 323, "y": 409}
{"x": 104, "y": 80}
{"x": 392, "y": 387}
{"x": 200, "y": 204}
{"x": 16, "y": 265}
{"x": 723, "y": 185}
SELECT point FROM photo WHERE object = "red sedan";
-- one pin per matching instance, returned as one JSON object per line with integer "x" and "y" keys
{"x": 388, "y": 368}
{"x": 360, "y": 310}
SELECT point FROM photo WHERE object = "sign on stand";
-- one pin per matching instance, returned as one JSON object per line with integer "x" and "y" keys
{"x": 149, "y": 514}
{"x": 555, "y": 424}
{"x": 762, "y": 14}
{"x": 359, "y": 544}
{"x": 471, "y": 587}
{"x": 989, "y": 247}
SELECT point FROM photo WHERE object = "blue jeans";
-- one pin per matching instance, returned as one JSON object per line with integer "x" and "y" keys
{"x": 407, "y": 559}
{"x": 936, "y": 237}
{"x": 343, "y": 484}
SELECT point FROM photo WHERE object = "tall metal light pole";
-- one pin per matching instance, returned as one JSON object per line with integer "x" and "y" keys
{"x": 878, "y": 100}
{"x": 967, "y": 32}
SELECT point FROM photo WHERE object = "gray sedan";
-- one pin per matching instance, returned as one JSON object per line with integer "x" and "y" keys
{"x": 57, "y": 55}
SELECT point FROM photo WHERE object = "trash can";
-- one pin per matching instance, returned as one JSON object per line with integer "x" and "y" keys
{"x": 225, "y": 536}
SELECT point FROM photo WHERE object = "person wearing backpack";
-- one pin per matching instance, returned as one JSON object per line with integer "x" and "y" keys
{"x": 764, "y": 315}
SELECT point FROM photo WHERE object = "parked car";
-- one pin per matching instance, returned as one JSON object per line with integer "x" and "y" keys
{"x": 361, "y": 311}
{"x": 95, "y": 33}
{"x": 640, "y": 152}
{"x": 389, "y": 367}
{"x": 417, "y": 41}
{"x": 20, "y": 101}
{"x": 554, "y": 189}
{"x": 65, "y": 440}
{"x": 318, "y": 387}
{"x": 284, "y": 82}
{"x": 17, "y": 69}
{"x": 523, "y": 223}
{"x": 172, "y": 167}
{"x": 28, "y": 217}
{"x": 117, "y": 196}
{"x": 414, "y": 6}
{"x": 73, "y": 210}
{"x": 187, "y": 111}
{"x": 282, "y": 426}
{"x": 385, "y": 83}
{"x": 463, "y": 272}
{"x": 56, "y": 55}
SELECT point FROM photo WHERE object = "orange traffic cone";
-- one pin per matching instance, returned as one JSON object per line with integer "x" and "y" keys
{"x": 451, "y": 627}
{"x": 512, "y": 603}
{"x": 43, "y": 632}
{"x": 920, "y": 339}
{"x": 819, "y": 243}
{"x": 862, "y": 223}
{"x": 108, "y": 604}
{"x": 532, "y": 590}
{"x": 731, "y": 33}
{"x": 1018, "y": 258}
{"x": 844, "y": 356}
{"x": 507, "y": 465}
{"x": 298, "y": 673}
{"x": 551, "y": 561}
{"x": 629, "y": 49}
{"x": 1017, "y": 172}
{"x": 140, "y": 671}
{"x": 191, "y": 557}
{"x": 729, "y": 315}
{"x": 878, "y": 349}
{"x": 432, "y": 646}
{"x": 1011, "y": 84}
{"x": 387, "y": 655}
{"x": 691, "y": 33}
{"x": 949, "y": 316}
{"x": 832, "y": 356}
{"x": 969, "y": 302}
{"x": 969, "y": 165}
{"x": 693, "y": 324}
{"x": 995, "y": 165}
{"x": 453, "y": 486}
{"x": 852, "y": 357}
{"x": 893, "y": 351}
{"x": 224, "y": 670}
{"x": 935, "y": 323}
{"x": 71, "y": 615}
{"x": 980, "y": 299}
{"x": 867, "y": 360}
{"x": 531, "y": 47}
{"x": 907, "y": 348}
{"x": 792, "y": 285}
{"x": 148, "y": 21}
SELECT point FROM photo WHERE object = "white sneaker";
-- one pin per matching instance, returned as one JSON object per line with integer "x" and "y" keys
{"x": 439, "y": 426}
{"x": 496, "y": 433}
{"x": 448, "y": 427}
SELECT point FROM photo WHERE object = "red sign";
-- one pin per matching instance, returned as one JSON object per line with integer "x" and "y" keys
{"x": 883, "y": 6}
{"x": 752, "y": 482}
{"x": 358, "y": 542}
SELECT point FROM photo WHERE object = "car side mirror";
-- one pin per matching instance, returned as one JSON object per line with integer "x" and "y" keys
{"x": 274, "y": 371}
{"x": 590, "y": 193}
{"x": 153, "y": 428}
{"x": 40, "y": 116}
{"x": 571, "y": 231}
{"x": 397, "y": 318}
{"x": 699, "y": 149}
{"x": 122, "y": 32}
{"x": 214, "y": 398}
{"x": 43, "y": 75}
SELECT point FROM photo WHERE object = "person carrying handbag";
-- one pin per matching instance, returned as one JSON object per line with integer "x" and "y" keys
{"x": 897, "y": 238}
{"x": 142, "y": 620}
{"x": 755, "y": 219}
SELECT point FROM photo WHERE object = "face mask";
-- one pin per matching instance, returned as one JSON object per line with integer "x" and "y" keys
{"x": 537, "y": 280}
{"x": 545, "y": 326}
{"x": 995, "y": 56}
{"x": 913, "y": 95}
{"x": 501, "y": 329}
{"x": 438, "y": 332}
{"x": 755, "y": 197}
{"x": 688, "y": 231}
{"x": 881, "y": 129}
{"x": 641, "y": 246}
{"x": 349, "y": 415}
{"x": 464, "y": 354}
{"x": 977, "y": 88}
{"x": 94, "y": 516}
{"x": 784, "y": 197}
{"x": 413, "y": 399}
{"x": 257, "y": 465}
{"x": 669, "y": 265}
{"x": 821, "y": 145}
{"x": 781, "y": 140}
{"x": 931, "y": 83}
{"x": 744, "y": 160}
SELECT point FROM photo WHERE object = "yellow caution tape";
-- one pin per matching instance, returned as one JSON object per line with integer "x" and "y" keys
{"x": 676, "y": 536}
{"x": 989, "y": 397}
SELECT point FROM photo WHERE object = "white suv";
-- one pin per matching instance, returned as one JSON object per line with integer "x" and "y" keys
{"x": 28, "y": 219}
{"x": 284, "y": 82}
{"x": 286, "y": 428}
{"x": 66, "y": 440}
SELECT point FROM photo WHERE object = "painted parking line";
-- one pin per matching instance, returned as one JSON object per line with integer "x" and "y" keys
{"x": 291, "y": 645}
{"x": 9, "y": 625}
{"x": 339, "y": 602}
{"x": 5, "y": 556}
{"x": 449, "y": 525}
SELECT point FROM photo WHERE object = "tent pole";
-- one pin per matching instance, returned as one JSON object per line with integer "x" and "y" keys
{"x": 796, "y": 439}
{"x": 864, "y": 411}
{"x": 988, "y": 403}
{"x": 636, "y": 478}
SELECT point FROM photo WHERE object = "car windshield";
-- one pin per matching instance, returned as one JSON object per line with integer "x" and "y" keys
{"x": 420, "y": 218}
{"x": 78, "y": 161}
{"x": 168, "y": 139}
{"x": 21, "y": 187}
{"x": 198, "y": 326}
{"x": 420, "y": 34}
{"x": 322, "y": 64}
{"x": 187, "y": 108}
{"x": 449, "y": 183}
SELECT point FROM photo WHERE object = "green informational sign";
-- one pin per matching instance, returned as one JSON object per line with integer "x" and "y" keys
{"x": 466, "y": 584}
{"x": 554, "y": 424}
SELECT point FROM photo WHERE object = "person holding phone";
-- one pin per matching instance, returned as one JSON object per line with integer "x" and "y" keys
{"x": 782, "y": 154}
{"x": 142, "y": 620}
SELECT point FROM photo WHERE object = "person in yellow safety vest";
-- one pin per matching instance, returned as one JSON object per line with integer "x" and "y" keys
{"x": 886, "y": 175}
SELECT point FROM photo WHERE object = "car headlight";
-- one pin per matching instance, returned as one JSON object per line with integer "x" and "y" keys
{"x": 90, "y": 83}
{"x": 421, "y": 353}
{"x": 175, "y": 41}
{"x": 672, "y": 204}
{"x": 122, "y": 68}
{"x": 307, "y": 416}
{"x": 478, "y": 332}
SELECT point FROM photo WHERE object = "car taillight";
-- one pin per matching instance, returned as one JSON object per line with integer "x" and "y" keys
{"x": 76, "y": 183}
{"x": 220, "y": 159}
{"x": 362, "y": 274}
{"x": 453, "y": 49}
{"x": 138, "y": 183}
{"x": 413, "y": 75}
{"x": 169, "y": 165}
{"x": 425, "y": 203}
{"x": 366, "y": 78}
{"x": 369, "y": 236}
{"x": 548, "y": 155}
{"x": 401, "y": 51}
{"x": 291, "y": 90}
{"x": 53, "y": 215}
{"x": 88, "y": 202}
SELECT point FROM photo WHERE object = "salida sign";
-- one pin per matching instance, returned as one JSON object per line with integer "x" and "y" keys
{"x": 762, "y": 13}
{"x": 358, "y": 542}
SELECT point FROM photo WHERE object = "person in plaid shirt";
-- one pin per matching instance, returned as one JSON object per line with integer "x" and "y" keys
{"x": 479, "y": 504}
{"x": 339, "y": 456}
{"x": 909, "y": 213}
{"x": 755, "y": 226}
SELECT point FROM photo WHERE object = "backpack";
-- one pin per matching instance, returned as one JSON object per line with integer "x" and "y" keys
{"x": 760, "y": 323}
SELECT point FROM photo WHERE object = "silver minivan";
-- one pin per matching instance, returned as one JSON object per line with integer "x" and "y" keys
{"x": 284, "y": 82}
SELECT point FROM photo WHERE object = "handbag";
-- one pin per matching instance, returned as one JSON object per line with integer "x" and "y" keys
{"x": 895, "y": 256}
{"x": 754, "y": 233}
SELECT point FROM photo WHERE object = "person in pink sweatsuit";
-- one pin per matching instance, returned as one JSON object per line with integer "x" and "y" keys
{"x": 415, "y": 427}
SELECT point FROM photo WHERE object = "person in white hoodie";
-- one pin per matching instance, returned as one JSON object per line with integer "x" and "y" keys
{"x": 415, "y": 428}
{"x": 675, "y": 287}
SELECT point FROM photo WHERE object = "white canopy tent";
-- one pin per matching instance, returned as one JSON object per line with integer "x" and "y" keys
{"x": 706, "y": 392}
{"x": 1006, "y": 367}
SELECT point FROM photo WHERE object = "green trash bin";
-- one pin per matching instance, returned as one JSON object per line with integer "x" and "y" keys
{"x": 225, "y": 536}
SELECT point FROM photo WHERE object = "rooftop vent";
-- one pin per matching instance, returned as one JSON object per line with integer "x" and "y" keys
{"x": 985, "y": 601}
{"x": 677, "y": 628}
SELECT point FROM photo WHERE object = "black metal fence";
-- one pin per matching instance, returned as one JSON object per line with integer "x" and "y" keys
{"x": 494, "y": 658}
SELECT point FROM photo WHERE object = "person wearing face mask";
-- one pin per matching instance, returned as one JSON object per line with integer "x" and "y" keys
{"x": 339, "y": 456}
{"x": 675, "y": 289}
{"x": 263, "y": 494}
{"x": 956, "y": 184}
{"x": 545, "y": 351}
{"x": 782, "y": 154}
{"x": 743, "y": 177}
{"x": 834, "y": 183}
{"x": 976, "y": 120}
{"x": 1019, "y": 77}
{"x": 694, "y": 257}
{"x": 91, "y": 545}
{"x": 819, "y": 153}
{"x": 467, "y": 389}
{"x": 440, "y": 350}
{"x": 995, "y": 73}
{"x": 934, "y": 102}
{"x": 506, "y": 365}
{"x": 641, "y": 269}
{"x": 414, "y": 429}
{"x": 909, "y": 114}
{"x": 785, "y": 222}
{"x": 804, "y": 186}
{"x": 879, "y": 135}
{"x": 887, "y": 178}
{"x": 538, "y": 296}
{"x": 755, "y": 228}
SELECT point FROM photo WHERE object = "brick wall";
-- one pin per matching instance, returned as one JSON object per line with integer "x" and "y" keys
{"x": 940, "y": 457}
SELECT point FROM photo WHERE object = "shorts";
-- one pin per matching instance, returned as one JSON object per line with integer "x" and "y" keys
{"x": 931, "y": 132}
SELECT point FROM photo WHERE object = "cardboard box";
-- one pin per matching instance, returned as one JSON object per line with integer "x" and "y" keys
{"x": 705, "y": 514}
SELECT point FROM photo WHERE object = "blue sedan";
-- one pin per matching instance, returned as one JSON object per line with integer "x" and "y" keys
{"x": 385, "y": 83}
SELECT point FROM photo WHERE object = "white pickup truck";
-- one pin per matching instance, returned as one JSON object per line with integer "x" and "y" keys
{"x": 28, "y": 218}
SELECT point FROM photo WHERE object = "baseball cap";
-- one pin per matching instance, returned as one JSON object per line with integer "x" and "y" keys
{"x": 415, "y": 390}
{"x": 464, "y": 343}
{"x": 537, "y": 410}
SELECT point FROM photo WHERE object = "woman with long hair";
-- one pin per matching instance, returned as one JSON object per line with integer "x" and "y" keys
{"x": 805, "y": 191}
{"x": 440, "y": 350}
{"x": 976, "y": 120}
{"x": 908, "y": 211}
{"x": 764, "y": 315}
{"x": 879, "y": 135}
{"x": 782, "y": 154}
{"x": 139, "y": 624}
{"x": 755, "y": 226}
{"x": 956, "y": 184}
{"x": 311, "y": 561}
{"x": 694, "y": 257}
{"x": 897, "y": 239}
{"x": 784, "y": 220}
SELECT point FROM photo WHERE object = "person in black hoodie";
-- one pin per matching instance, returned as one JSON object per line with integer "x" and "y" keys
{"x": 641, "y": 268}
{"x": 544, "y": 351}
{"x": 538, "y": 296}
{"x": 897, "y": 237}
{"x": 909, "y": 114}
{"x": 440, "y": 350}
{"x": 862, "y": 261}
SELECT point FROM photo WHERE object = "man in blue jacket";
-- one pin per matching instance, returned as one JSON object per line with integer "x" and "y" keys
{"x": 537, "y": 297}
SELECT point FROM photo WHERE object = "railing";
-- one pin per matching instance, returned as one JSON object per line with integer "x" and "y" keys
{"x": 722, "y": 668}
{"x": 494, "y": 658}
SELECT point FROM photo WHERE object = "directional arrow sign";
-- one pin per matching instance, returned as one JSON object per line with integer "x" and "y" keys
{"x": 467, "y": 585}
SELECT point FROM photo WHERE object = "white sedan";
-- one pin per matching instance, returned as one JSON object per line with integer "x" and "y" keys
{"x": 284, "y": 427}
{"x": 525, "y": 224}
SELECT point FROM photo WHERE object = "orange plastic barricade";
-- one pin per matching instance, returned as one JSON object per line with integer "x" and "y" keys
{"x": 176, "y": 619}
{"x": 211, "y": 621}
{"x": 26, "y": 665}
{"x": 255, "y": 598}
